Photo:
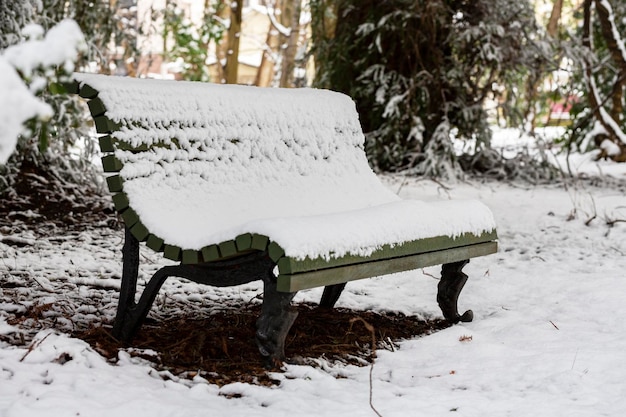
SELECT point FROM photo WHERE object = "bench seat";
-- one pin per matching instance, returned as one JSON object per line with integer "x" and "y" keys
{"x": 211, "y": 173}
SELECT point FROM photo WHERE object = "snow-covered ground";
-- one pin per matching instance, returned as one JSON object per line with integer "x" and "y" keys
{"x": 548, "y": 338}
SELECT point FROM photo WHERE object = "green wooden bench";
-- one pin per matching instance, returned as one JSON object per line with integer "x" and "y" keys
{"x": 241, "y": 183}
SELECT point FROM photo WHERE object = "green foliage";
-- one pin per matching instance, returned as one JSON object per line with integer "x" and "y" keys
{"x": 421, "y": 70}
{"x": 190, "y": 44}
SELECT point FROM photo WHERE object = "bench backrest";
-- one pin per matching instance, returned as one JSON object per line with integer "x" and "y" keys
{"x": 196, "y": 161}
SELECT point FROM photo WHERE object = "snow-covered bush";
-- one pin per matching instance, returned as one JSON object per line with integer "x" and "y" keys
{"x": 420, "y": 69}
{"x": 62, "y": 146}
{"x": 599, "y": 79}
{"x": 14, "y": 15}
{"x": 26, "y": 70}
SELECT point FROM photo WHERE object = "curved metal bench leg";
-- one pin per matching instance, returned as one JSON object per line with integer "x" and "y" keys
{"x": 133, "y": 316}
{"x": 450, "y": 286}
{"x": 331, "y": 295}
{"x": 128, "y": 288}
{"x": 130, "y": 314}
{"x": 274, "y": 323}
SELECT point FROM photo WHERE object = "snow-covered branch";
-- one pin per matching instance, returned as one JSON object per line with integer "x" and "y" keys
{"x": 616, "y": 44}
{"x": 285, "y": 31}
{"x": 607, "y": 121}
{"x": 18, "y": 102}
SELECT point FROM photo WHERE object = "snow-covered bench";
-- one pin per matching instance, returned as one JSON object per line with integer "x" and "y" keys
{"x": 243, "y": 183}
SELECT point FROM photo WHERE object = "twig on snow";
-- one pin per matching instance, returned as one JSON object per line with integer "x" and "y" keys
{"x": 370, "y": 328}
{"x": 429, "y": 275}
{"x": 402, "y": 184}
{"x": 613, "y": 222}
{"x": 43, "y": 285}
{"x": 33, "y": 346}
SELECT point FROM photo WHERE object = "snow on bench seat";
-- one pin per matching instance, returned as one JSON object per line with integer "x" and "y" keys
{"x": 208, "y": 171}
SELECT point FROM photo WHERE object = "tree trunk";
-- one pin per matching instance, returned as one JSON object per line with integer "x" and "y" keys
{"x": 292, "y": 12}
{"x": 323, "y": 26}
{"x": 536, "y": 79}
{"x": 594, "y": 99}
{"x": 267, "y": 68}
{"x": 609, "y": 121}
{"x": 223, "y": 11}
{"x": 611, "y": 36}
{"x": 232, "y": 51}
{"x": 555, "y": 16}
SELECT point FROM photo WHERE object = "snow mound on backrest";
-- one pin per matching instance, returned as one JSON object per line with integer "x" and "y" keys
{"x": 226, "y": 160}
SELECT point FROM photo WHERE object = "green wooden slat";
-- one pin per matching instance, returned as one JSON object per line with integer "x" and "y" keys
{"x": 155, "y": 243}
{"x": 71, "y": 87}
{"x": 111, "y": 164}
{"x": 172, "y": 252}
{"x": 331, "y": 276}
{"x": 120, "y": 201}
{"x": 190, "y": 256}
{"x": 107, "y": 143}
{"x": 130, "y": 217}
{"x": 127, "y": 147}
{"x": 259, "y": 242}
{"x": 228, "y": 248}
{"x": 86, "y": 91}
{"x": 64, "y": 87}
{"x": 105, "y": 125}
{"x": 115, "y": 183}
{"x": 275, "y": 251}
{"x": 102, "y": 124}
{"x": 140, "y": 231}
{"x": 294, "y": 266}
{"x": 290, "y": 266}
{"x": 243, "y": 242}
{"x": 210, "y": 253}
{"x": 96, "y": 107}
{"x": 110, "y": 144}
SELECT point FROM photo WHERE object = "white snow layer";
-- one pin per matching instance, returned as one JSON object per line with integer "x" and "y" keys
{"x": 59, "y": 47}
{"x": 548, "y": 338}
{"x": 288, "y": 164}
{"x": 17, "y": 103}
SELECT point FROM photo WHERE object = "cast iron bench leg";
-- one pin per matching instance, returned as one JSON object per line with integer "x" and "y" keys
{"x": 274, "y": 323}
{"x": 275, "y": 320}
{"x": 130, "y": 314}
{"x": 331, "y": 295}
{"x": 449, "y": 288}
{"x": 134, "y": 315}
{"x": 130, "y": 270}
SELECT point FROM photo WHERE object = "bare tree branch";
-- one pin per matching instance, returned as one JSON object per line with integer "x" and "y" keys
{"x": 283, "y": 30}
{"x": 607, "y": 121}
